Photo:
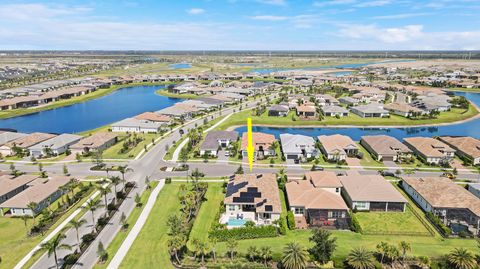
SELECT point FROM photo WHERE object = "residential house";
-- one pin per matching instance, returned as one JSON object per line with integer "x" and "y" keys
{"x": 430, "y": 150}
{"x": 337, "y": 147}
{"x": 252, "y": 197}
{"x": 97, "y": 142}
{"x": 433, "y": 102}
{"x": 403, "y": 109}
{"x": 371, "y": 193}
{"x": 12, "y": 186}
{"x": 54, "y": 146}
{"x": 466, "y": 147}
{"x": 334, "y": 111}
{"x": 371, "y": 110}
{"x": 217, "y": 139}
{"x": 347, "y": 100}
{"x": 474, "y": 188}
{"x": 451, "y": 203}
{"x": 41, "y": 191}
{"x": 263, "y": 144}
{"x": 298, "y": 146}
{"x": 23, "y": 143}
{"x": 315, "y": 204}
{"x": 385, "y": 148}
{"x": 6, "y": 137}
{"x": 155, "y": 117}
{"x": 179, "y": 111}
{"x": 278, "y": 111}
{"x": 133, "y": 125}
{"x": 306, "y": 111}
{"x": 326, "y": 100}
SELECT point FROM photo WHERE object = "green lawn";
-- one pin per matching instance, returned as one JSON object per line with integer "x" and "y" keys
{"x": 14, "y": 244}
{"x": 391, "y": 223}
{"x": 367, "y": 159}
{"x": 165, "y": 93}
{"x": 114, "y": 151}
{"x": 150, "y": 248}
{"x": 131, "y": 219}
{"x": 456, "y": 114}
{"x": 207, "y": 213}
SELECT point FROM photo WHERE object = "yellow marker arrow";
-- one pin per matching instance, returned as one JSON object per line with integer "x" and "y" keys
{"x": 250, "y": 147}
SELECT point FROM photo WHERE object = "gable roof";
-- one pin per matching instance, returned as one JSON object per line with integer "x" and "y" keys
{"x": 29, "y": 140}
{"x": 466, "y": 144}
{"x": 323, "y": 179}
{"x": 428, "y": 146}
{"x": 57, "y": 142}
{"x": 385, "y": 145}
{"x": 151, "y": 116}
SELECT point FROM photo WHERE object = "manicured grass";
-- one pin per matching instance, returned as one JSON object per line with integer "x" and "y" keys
{"x": 14, "y": 244}
{"x": 150, "y": 248}
{"x": 114, "y": 151}
{"x": 367, "y": 159}
{"x": 455, "y": 114}
{"x": 391, "y": 223}
{"x": 165, "y": 93}
{"x": 207, "y": 213}
{"x": 131, "y": 219}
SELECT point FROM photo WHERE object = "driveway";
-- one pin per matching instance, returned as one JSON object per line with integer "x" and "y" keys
{"x": 221, "y": 156}
{"x": 353, "y": 162}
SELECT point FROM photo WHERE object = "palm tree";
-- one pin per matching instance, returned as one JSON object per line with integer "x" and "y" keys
{"x": 115, "y": 181}
{"x": 294, "y": 256}
{"x": 77, "y": 224}
{"x": 461, "y": 258}
{"x": 252, "y": 253}
{"x": 360, "y": 258}
{"x": 32, "y": 206}
{"x": 92, "y": 206}
{"x": 104, "y": 191}
{"x": 123, "y": 169}
{"x": 266, "y": 254}
{"x": 405, "y": 248}
{"x": 53, "y": 245}
{"x": 25, "y": 220}
{"x": 382, "y": 249}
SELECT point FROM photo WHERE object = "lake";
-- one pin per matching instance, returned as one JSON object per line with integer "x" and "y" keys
{"x": 180, "y": 66}
{"x": 470, "y": 128}
{"x": 118, "y": 105}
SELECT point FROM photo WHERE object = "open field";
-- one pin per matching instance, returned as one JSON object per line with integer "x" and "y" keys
{"x": 131, "y": 219}
{"x": 456, "y": 114}
{"x": 150, "y": 248}
{"x": 14, "y": 244}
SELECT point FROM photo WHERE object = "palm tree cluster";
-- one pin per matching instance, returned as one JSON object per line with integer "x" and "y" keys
{"x": 263, "y": 254}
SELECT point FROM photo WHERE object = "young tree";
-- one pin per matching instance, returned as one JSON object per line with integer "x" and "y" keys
{"x": 102, "y": 253}
{"x": 138, "y": 200}
{"x": 115, "y": 181}
{"x": 252, "y": 253}
{"x": 65, "y": 170}
{"x": 232, "y": 245}
{"x": 266, "y": 254}
{"x": 360, "y": 258}
{"x": 323, "y": 245}
{"x": 175, "y": 244}
{"x": 405, "y": 247}
{"x": 104, "y": 191}
{"x": 294, "y": 256}
{"x": 92, "y": 206}
{"x": 53, "y": 245}
{"x": 123, "y": 170}
{"x": 382, "y": 249}
{"x": 33, "y": 206}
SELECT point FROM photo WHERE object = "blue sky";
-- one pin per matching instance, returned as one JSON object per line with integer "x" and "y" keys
{"x": 240, "y": 24}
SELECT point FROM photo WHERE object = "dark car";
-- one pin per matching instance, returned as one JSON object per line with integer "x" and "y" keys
{"x": 387, "y": 174}
{"x": 317, "y": 168}
{"x": 296, "y": 161}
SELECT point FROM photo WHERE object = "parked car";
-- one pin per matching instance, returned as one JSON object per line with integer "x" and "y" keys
{"x": 296, "y": 161}
{"x": 227, "y": 153}
{"x": 387, "y": 174}
{"x": 317, "y": 168}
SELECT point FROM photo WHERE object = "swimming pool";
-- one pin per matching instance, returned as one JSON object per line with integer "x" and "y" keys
{"x": 236, "y": 222}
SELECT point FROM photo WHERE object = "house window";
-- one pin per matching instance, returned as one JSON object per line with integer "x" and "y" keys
{"x": 298, "y": 210}
{"x": 337, "y": 189}
{"x": 361, "y": 205}
{"x": 231, "y": 207}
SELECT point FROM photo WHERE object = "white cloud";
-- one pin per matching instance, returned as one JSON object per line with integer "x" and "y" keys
{"x": 273, "y": 2}
{"x": 377, "y": 3}
{"x": 400, "y": 16}
{"x": 333, "y": 2}
{"x": 269, "y": 18}
{"x": 38, "y": 11}
{"x": 195, "y": 11}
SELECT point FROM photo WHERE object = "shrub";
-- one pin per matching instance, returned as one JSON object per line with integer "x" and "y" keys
{"x": 439, "y": 224}
{"x": 168, "y": 180}
{"x": 102, "y": 221}
{"x": 88, "y": 238}
{"x": 291, "y": 220}
{"x": 355, "y": 224}
{"x": 245, "y": 233}
{"x": 71, "y": 258}
{"x": 282, "y": 225}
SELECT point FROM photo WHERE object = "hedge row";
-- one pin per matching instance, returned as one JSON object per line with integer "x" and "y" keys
{"x": 439, "y": 224}
{"x": 245, "y": 233}
{"x": 291, "y": 220}
{"x": 355, "y": 224}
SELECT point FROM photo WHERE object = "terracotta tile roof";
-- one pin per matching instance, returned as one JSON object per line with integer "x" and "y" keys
{"x": 428, "y": 146}
{"x": 443, "y": 193}
{"x": 466, "y": 144}
{"x": 402, "y": 107}
{"x": 336, "y": 143}
{"x": 29, "y": 140}
{"x": 259, "y": 140}
{"x": 303, "y": 193}
{"x": 266, "y": 198}
{"x": 324, "y": 179}
{"x": 306, "y": 108}
{"x": 151, "y": 116}
{"x": 370, "y": 188}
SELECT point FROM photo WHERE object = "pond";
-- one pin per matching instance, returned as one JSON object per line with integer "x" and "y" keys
{"x": 120, "y": 104}
{"x": 180, "y": 66}
{"x": 469, "y": 128}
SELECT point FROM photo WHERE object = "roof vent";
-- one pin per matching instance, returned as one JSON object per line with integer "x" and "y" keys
{"x": 259, "y": 176}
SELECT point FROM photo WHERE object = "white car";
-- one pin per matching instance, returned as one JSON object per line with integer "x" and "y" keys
{"x": 227, "y": 153}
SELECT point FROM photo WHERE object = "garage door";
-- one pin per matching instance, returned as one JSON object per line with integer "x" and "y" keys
{"x": 292, "y": 157}
{"x": 387, "y": 158}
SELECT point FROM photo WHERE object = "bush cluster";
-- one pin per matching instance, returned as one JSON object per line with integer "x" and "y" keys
{"x": 245, "y": 233}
